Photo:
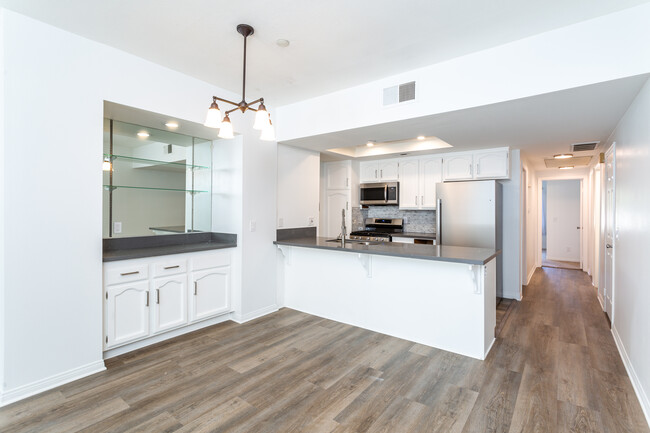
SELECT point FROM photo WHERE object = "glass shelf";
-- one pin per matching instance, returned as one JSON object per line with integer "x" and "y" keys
{"x": 155, "y": 162}
{"x": 114, "y": 187}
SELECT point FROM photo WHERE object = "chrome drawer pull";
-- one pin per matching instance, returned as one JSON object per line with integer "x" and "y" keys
{"x": 129, "y": 273}
{"x": 172, "y": 267}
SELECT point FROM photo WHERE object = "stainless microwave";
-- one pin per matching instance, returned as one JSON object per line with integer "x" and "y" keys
{"x": 383, "y": 193}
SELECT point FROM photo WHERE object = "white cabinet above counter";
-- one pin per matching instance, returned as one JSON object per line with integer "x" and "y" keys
{"x": 418, "y": 177}
{"x": 379, "y": 171}
{"x": 480, "y": 164}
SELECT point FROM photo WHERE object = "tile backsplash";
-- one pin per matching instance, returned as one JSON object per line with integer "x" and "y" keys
{"x": 419, "y": 221}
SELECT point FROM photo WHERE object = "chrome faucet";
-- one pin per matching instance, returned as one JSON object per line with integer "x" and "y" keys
{"x": 343, "y": 229}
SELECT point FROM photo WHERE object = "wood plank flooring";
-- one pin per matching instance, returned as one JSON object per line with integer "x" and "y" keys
{"x": 553, "y": 368}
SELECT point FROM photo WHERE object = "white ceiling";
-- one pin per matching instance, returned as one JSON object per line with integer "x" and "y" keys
{"x": 334, "y": 44}
{"x": 540, "y": 126}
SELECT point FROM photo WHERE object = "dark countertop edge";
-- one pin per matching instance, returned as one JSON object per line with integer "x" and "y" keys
{"x": 294, "y": 243}
{"x": 139, "y": 253}
{"x": 415, "y": 235}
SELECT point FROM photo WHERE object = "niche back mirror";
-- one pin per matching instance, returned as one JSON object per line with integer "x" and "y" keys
{"x": 157, "y": 178}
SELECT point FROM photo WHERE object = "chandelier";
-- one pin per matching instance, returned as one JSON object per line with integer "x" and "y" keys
{"x": 262, "y": 117}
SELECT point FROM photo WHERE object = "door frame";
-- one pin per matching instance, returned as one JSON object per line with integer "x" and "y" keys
{"x": 611, "y": 151}
{"x": 583, "y": 178}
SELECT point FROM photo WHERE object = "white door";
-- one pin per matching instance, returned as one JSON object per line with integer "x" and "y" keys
{"x": 336, "y": 201}
{"x": 430, "y": 175}
{"x": 409, "y": 192}
{"x": 337, "y": 175}
{"x": 388, "y": 169}
{"x": 610, "y": 203}
{"x": 563, "y": 220}
{"x": 458, "y": 166}
{"x": 491, "y": 164}
{"x": 210, "y": 293}
{"x": 127, "y": 313}
{"x": 368, "y": 171}
{"x": 170, "y": 303}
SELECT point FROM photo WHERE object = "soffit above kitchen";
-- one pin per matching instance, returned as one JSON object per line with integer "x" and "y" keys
{"x": 332, "y": 45}
{"x": 541, "y": 126}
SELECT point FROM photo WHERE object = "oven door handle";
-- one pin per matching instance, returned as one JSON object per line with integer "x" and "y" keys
{"x": 385, "y": 193}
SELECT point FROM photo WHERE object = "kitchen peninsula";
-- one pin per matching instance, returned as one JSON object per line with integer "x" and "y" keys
{"x": 437, "y": 295}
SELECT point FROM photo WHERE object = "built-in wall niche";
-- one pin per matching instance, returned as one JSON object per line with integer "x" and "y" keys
{"x": 156, "y": 181}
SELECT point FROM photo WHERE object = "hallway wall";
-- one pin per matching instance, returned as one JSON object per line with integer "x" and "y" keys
{"x": 631, "y": 271}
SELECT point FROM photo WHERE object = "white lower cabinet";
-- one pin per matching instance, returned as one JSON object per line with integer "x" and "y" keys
{"x": 158, "y": 302}
{"x": 127, "y": 313}
{"x": 211, "y": 293}
{"x": 169, "y": 303}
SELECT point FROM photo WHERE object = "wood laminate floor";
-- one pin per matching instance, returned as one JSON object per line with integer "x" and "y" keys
{"x": 554, "y": 368}
{"x": 558, "y": 263}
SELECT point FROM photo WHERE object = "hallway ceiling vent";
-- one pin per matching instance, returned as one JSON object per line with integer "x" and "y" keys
{"x": 397, "y": 94}
{"x": 583, "y": 147}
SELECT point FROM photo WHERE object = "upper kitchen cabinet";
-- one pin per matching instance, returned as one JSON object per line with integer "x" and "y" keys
{"x": 338, "y": 174}
{"x": 418, "y": 179}
{"x": 481, "y": 164}
{"x": 458, "y": 166}
{"x": 491, "y": 164}
{"x": 379, "y": 171}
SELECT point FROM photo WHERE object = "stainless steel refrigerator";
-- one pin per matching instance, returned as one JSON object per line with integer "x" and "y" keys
{"x": 468, "y": 214}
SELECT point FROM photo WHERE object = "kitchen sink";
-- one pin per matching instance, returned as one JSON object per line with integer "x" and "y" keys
{"x": 354, "y": 241}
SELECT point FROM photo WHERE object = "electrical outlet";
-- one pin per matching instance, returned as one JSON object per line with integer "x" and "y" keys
{"x": 311, "y": 221}
{"x": 117, "y": 227}
{"x": 280, "y": 222}
{"x": 253, "y": 225}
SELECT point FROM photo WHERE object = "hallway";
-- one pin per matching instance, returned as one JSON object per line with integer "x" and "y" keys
{"x": 554, "y": 368}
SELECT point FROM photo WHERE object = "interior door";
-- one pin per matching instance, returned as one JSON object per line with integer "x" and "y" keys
{"x": 610, "y": 202}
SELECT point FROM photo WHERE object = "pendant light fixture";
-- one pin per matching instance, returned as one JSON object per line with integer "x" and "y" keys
{"x": 262, "y": 117}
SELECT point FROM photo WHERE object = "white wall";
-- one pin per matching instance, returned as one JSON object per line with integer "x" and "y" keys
{"x": 2, "y": 205}
{"x": 568, "y": 57}
{"x": 52, "y": 314}
{"x": 530, "y": 215}
{"x": 562, "y": 218}
{"x": 298, "y": 187}
{"x": 632, "y": 273}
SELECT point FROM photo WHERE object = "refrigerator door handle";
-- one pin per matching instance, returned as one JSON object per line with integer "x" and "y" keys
{"x": 438, "y": 218}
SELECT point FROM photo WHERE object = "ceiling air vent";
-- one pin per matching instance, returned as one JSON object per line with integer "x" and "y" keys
{"x": 582, "y": 147}
{"x": 398, "y": 94}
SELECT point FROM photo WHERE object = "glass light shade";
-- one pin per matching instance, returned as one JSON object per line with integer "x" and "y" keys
{"x": 226, "y": 128}
{"x": 261, "y": 118}
{"x": 213, "y": 119}
{"x": 268, "y": 133}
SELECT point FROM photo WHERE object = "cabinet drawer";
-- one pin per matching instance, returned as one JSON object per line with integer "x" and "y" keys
{"x": 126, "y": 274}
{"x": 205, "y": 261}
{"x": 170, "y": 267}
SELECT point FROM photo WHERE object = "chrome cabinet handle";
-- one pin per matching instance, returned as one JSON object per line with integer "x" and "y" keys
{"x": 421, "y": 200}
{"x": 381, "y": 173}
{"x": 608, "y": 246}
{"x": 172, "y": 267}
{"x": 129, "y": 273}
{"x": 478, "y": 168}
{"x": 196, "y": 283}
{"x": 375, "y": 173}
{"x": 157, "y": 296}
{"x": 147, "y": 303}
{"x": 347, "y": 181}
{"x": 347, "y": 205}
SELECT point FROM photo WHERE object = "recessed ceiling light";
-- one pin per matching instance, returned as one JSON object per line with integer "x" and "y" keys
{"x": 143, "y": 134}
{"x": 282, "y": 43}
{"x": 566, "y": 167}
{"x": 421, "y": 137}
{"x": 370, "y": 143}
{"x": 563, "y": 156}
{"x": 171, "y": 124}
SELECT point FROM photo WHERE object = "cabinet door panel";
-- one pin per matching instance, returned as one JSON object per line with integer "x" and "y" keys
{"x": 368, "y": 171}
{"x": 169, "y": 302}
{"x": 338, "y": 175}
{"x": 388, "y": 170}
{"x": 335, "y": 202}
{"x": 210, "y": 293}
{"x": 127, "y": 313}
{"x": 458, "y": 167}
{"x": 492, "y": 164}
{"x": 409, "y": 194}
{"x": 430, "y": 175}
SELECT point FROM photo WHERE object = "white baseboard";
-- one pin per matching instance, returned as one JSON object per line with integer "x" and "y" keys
{"x": 563, "y": 259}
{"x": 489, "y": 348}
{"x": 242, "y": 318}
{"x": 42, "y": 385}
{"x": 636, "y": 384}
{"x": 530, "y": 275}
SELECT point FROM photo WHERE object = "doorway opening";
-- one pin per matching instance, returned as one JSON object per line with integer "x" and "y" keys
{"x": 561, "y": 224}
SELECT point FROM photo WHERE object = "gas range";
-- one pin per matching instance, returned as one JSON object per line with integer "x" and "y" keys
{"x": 379, "y": 229}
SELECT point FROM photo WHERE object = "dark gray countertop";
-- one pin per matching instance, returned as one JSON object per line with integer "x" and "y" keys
{"x": 162, "y": 245}
{"x": 444, "y": 253}
{"x": 415, "y": 235}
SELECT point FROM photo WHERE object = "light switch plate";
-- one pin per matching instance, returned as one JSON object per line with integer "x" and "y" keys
{"x": 253, "y": 225}
{"x": 311, "y": 221}
{"x": 117, "y": 227}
